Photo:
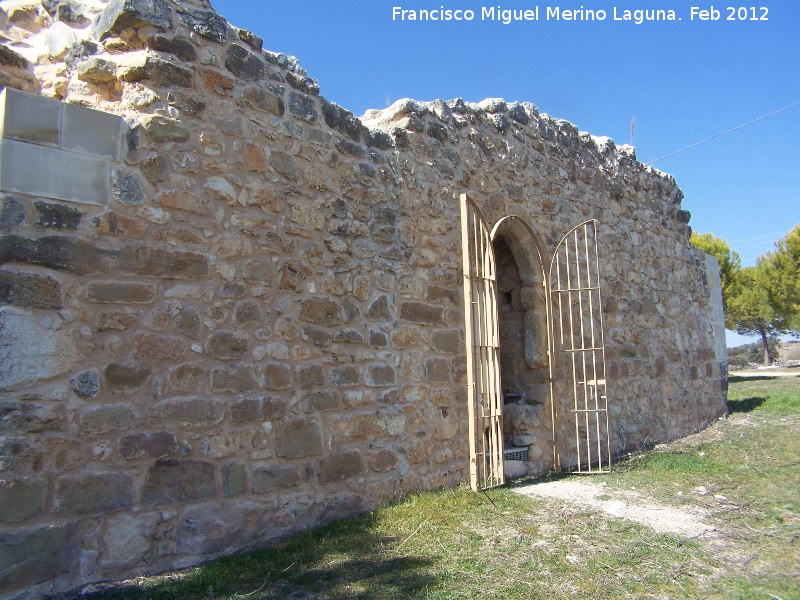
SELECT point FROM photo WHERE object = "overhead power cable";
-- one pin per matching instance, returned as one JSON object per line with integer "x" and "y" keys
{"x": 726, "y": 132}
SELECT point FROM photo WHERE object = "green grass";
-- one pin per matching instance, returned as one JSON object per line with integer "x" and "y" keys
{"x": 456, "y": 544}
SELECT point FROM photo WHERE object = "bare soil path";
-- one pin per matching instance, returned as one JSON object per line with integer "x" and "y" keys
{"x": 625, "y": 504}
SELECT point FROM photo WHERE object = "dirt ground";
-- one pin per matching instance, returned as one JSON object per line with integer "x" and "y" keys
{"x": 625, "y": 504}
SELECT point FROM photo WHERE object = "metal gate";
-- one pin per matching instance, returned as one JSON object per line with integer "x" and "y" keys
{"x": 578, "y": 346}
{"x": 485, "y": 402}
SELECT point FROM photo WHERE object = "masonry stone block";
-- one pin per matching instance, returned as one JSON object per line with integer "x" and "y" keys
{"x": 61, "y": 253}
{"x": 379, "y": 310}
{"x": 227, "y": 345}
{"x": 92, "y": 493}
{"x": 169, "y": 481}
{"x": 21, "y": 498}
{"x": 304, "y": 107}
{"x": 95, "y": 69}
{"x": 298, "y": 438}
{"x": 424, "y": 314}
{"x": 30, "y": 118}
{"x": 177, "y": 264}
{"x": 234, "y": 478}
{"x": 177, "y": 46}
{"x": 191, "y": 377}
{"x": 123, "y": 14}
{"x": 121, "y": 292}
{"x": 30, "y": 416}
{"x": 126, "y": 378}
{"x": 342, "y": 120}
{"x": 276, "y": 376}
{"x": 318, "y": 336}
{"x": 243, "y": 63}
{"x": 164, "y": 129}
{"x": 206, "y": 23}
{"x": 448, "y": 341}
{"x": 52, "y": 173}
{"x": 239, "y": 378}
{"x": 188, "y": 412}
{"x": 30, "y": 353}
{"x": 12, "y": 212}
{"x": 247, "y": 314}
{"x": 189, "y": 323}
{"x": 384, "y": 461}
{"x": 36, "y": 554}
{"x": 57, "y": 216}
{"x": 93, "y": 132}
{"x": 124, "y": 540}
{"x": 126, "y": 188}
{"x": 153, "y": 445}
{"x": 437, "y": 370}
{"x": 322, "y": 401}
{"x": 10, "y": 58}
{"x": 380, "y": 375}
{"x": 269, "y": 479}
{"x": 109, "y": 417}
{"x": 161, "y": 73}
{"x": 339, "y": 467}
{"x": 29, "y": 290}
{"x": 264, "y": 100}
{"x": 155, "y": 346}
{"x": 251, "y": 39}
{"x": 311, "y": 376}
{"x": 86, "y": 384}
{"x": 378, "y": 339}
{"x": 257, "y": 408}
{"x": 321, "y": 311}
{"x": 344, "y": 375}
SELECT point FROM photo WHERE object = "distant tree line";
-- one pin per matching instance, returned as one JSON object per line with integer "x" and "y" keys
{"x": 763, "y": 300}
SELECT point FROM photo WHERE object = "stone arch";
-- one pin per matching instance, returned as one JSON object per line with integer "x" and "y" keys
{"x": 524, "y": 341}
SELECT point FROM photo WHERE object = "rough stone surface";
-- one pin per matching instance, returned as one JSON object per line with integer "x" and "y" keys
{"x": 122, "y": 14}
{"x": 93, "y": 493}
{"x": 30, "y": 290}
{"x": 57, "y": 216}
{"x": 153, "y": 445}
{"x": 21, "y": 499}
{"x": 37, "y": 554}
{"x": 340, "y": 466}
{"x": 298, "y": 438}
{"x": 29, "y": 353}
{"x": 260, "y": 326}
{"x": 170, "y": 481}
{"x": 86, "y": 384}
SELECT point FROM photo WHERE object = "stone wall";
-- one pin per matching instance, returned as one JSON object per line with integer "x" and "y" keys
{"x": 249, "y": 319}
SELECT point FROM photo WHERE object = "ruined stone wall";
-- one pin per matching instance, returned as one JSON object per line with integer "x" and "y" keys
{"x": 249, "y": 319}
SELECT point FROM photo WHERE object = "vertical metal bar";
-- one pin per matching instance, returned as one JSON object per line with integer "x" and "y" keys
{"x": 602, "y": 345}
{"x": 581, "y": 317}
{"x": 593, "y": 341}
{"x": 465, "y": 258}
{"x": 571, "y": 350}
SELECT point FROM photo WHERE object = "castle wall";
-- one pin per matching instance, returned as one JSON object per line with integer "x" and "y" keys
{"x": 244, "y": 316}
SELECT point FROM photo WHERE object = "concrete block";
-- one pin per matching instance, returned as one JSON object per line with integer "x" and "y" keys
{"x": 51, "y": 173}
{"x": 29, "y": 118}
{"x": 91, "y": 132}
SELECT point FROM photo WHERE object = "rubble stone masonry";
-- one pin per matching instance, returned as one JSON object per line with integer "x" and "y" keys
{"x": 230, "y": 309}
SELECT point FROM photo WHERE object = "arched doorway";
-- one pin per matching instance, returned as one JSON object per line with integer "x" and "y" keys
{"x": 531, "y": 331}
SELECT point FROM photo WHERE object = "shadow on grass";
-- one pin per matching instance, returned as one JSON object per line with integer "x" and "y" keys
{"x": 737, "y": 379}
{"x": 344, "y": 560}
{"x": 745, "y": 405}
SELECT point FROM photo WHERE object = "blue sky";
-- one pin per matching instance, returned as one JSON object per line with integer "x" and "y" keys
{"x": 683, "y": 81}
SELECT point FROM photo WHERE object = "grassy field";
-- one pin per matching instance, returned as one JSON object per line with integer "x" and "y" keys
{"x": 742, "y": 474}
